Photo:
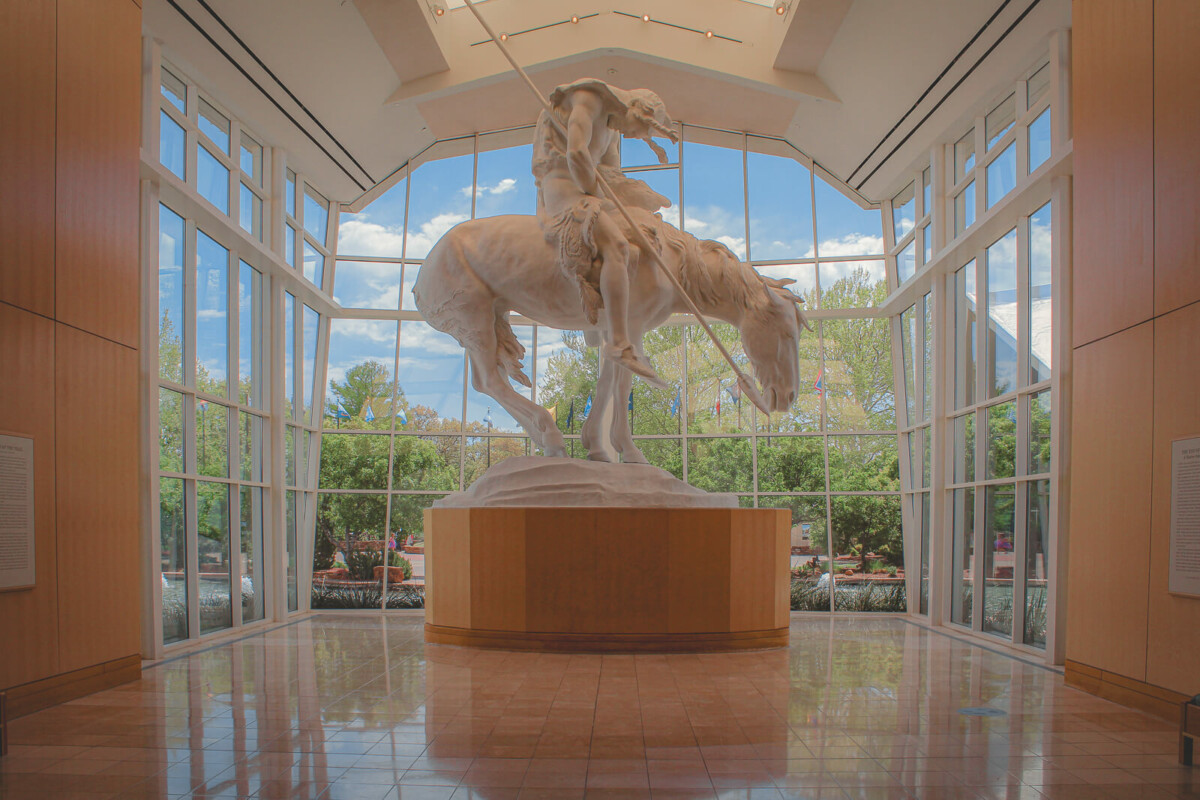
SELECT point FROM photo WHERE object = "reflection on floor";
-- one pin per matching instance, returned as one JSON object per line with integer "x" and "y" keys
{"x": 353, "y": 705}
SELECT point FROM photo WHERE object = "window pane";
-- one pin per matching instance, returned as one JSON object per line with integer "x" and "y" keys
{"x": 212, "y": 324}
{"x": 253, "y": 582}
{"x": 964, "y": 336}
{"x": 438, "y": 201}
{"x": 170, "y": 431}
{"x": 1000, "y": 120}
{"x": 1041, "y": 240}
{"x": 1002, "y": 175}
{"x": 430, "y": 378}
{"x": 314, "y": 265}
{"x": 906, "y": 262}
{"x": 566, "y": 376}
{"x": 927, "y": 243}
{"x": 999, "y": 559}
{"x": 312, "y": 323}
{"x": 361, "y": 355}
{"x": 212, "y": 439}
{"x": 1002, "y": 440}
{"x": 252, "y": 159}
{"x": 170, "y": 295}
{"x": 172, "y": 144}
{"x": 715, "y": 403}
{"x": 354, "y": 461}
{"x": 852, "y": 284}
{"x": 212, "y": 514}
{"x": 858, "y": 382}
{"x": 1039, "y": 432}
{"x": 923, "y": 515}
{"x": 253, "y": 448}
{"x": 791, "y": 464}
{"x": 964, "y": 209}
{"x": 636, "y": 153}
{"x": 174, "y": 90}
{"x": 713, "y": 206}
{"x": 485, "y": 415}
{"x": 292, "y": 509}
{"x": 351, "y": 531}
{"x": 289, "y": 354}
{"x": 808, "y": 527}
{"x": 804, "y": 275}
{"x": 1037, "y": 561}
{"x": 720, "y": 465}
{"x": 212, "y": 179}
{"x": 927, "y": 358}
{"x": 843, "y": 227}
{"x": 863, "y": 464}
{"x": 378, "y": 230}
{"x": 173, "y": 546}
{"x": 250, "y": 211}
{"x": 964, "y": 448}
{"x": 1039, "y": 140}
{"x": 289, "y": 194}
{"x": 408, "y": 519}
{"x": 904, "y": 211}
{"x": 868, "y": 540}
{"x": 215, "y": 126}
{"x": 1002, "y": 315}
{"x": 1037, "y": 85}
{"x": 908, "y": 347}
{"x": 504, "y": 185}
{"x": 664, "y": 453}
{"x": 316, "y": 215}
{"x": 964, "y": 155}
{"x": 962, "y": 570}
{"x": 289, "y": 245}
{"x": 425, "y": 462}
{"x": 367, "y": 284}
{"x": 780, "y": 204}
{"x": 252, "y": 336}
{"x": 658, "y": 411}
{"x": 927, "y": 192}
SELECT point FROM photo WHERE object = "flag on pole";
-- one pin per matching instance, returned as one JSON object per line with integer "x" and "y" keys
{"x": 403, "y": 417}
{"x": 341, "y": 413}
{"x": 735, "y": 393}
{"x": 819, "y": 383}
{"x": 587, "y": 407}
{"x": 488, "y": 416}
{"x": 202, "y": 405}
{"x": 571, "y": 414}
{"x": 631, "y": 399}
{"x": 553, "y": 411}
{"x": 369, "y": 416}
{"x": 675, "y": 404}
{"x": 718, "y": 402}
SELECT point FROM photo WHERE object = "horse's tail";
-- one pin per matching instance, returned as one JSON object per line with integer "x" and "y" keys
{"x": 509, "y": 350}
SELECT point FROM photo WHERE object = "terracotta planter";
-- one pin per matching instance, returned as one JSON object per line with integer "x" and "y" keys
{"x": 395, "y": 574}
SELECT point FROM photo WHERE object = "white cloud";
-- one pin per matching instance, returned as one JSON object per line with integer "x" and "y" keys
{"x": 503, "y": 186}
{"x": 422, "y": 241}
{"x": 853, "y": 244}
{"x": 362, "y": 238}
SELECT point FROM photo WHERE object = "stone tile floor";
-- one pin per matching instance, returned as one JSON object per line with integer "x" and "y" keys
{"x": 355, "y": 705}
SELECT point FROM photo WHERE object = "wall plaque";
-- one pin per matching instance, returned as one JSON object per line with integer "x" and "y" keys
{"x": 1184, "y": 575}
{"x": 16, "y": 512}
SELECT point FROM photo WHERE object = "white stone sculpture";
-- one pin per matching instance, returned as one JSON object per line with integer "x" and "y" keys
{"x": 573, "y": 267}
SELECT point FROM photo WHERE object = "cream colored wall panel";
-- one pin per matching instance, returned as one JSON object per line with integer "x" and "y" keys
{"x": 1111, "y": 434}
{"x": 27, "y": 31}
{"x": 1176, "y": 156}
{"x": 98, "y": 129}
{"x": 1174, "y": 631}
{"x": 1113, "y": 243}
{"x": 99, "y": 525}
{"x": 29, "y": 618}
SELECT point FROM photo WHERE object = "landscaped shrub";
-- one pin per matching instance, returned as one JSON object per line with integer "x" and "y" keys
{"x": 366, "y": 595}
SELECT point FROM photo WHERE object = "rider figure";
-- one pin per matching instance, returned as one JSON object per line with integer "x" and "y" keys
{"x": 590, "y": 235}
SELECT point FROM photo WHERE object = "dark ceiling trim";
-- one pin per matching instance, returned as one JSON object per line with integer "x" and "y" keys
{"x": 930, "y": 88}
{"x": 267, "y": 95}
{"x": 952, "y": 90}
{"x": 283, "y": 86}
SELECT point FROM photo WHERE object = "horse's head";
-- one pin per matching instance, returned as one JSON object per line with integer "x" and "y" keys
{"x": 771, "y": 336}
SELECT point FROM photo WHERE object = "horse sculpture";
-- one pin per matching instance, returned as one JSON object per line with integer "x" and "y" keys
{"x": 482, "y": 269}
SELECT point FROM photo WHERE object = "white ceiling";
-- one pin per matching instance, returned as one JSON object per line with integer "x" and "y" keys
{"x": 373, "y": 82}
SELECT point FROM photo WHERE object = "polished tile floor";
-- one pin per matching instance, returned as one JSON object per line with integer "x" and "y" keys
{"x": 355, "y": 705}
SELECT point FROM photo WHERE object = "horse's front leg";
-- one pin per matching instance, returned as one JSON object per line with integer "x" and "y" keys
{"x": 622, "y": 433}
{"x": 594, "y": 435}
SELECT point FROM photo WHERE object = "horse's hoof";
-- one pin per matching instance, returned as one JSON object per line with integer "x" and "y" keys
{"x": 607, "y": 458}
{"x": 633, "y": 458}
{"x": 636, "y": 364}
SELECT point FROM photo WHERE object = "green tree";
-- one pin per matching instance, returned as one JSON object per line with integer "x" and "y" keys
{"x": 366, "y": 386}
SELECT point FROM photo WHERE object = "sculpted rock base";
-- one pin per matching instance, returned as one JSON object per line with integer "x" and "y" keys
{"x": 570, "y": 482}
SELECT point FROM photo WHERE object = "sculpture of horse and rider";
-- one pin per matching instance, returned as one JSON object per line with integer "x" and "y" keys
{"x": 578, "y": 265}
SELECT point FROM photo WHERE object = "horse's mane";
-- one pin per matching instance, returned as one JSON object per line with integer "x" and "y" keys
{"x": 710, "y": 272}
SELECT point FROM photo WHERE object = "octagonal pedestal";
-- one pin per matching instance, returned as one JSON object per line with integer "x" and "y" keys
{"x": 607, "y": 579}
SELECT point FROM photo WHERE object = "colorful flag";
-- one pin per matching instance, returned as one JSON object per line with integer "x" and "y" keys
{"x": 587, "y": 407}
{"x": 369, "y": 416}
{"x": 631, "y": 399}
{"x": 675, "y": 405}
{"x": 571, "y": 414}
{"x": 341, "y": 413}
{"x": 735, "y": 392}
{"x": 202, "y": 405}
{"x": 403, "y": 417}
{"x": 488, "y": 416}
{"x": 819, "y": 383}
{"x": 553, "y": 411}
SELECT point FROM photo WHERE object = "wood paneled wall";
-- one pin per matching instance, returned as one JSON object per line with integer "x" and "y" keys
{"x": 1136, "y": 304}
{"x": 70, "y": 73}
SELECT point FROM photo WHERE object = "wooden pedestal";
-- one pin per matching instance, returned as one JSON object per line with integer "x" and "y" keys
{"x": 607, "y": 579}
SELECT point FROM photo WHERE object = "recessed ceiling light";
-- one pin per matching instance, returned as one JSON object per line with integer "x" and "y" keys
{"x": 439, "y": 11}
{"x": 781, "y": 8}
{"x": 574, "y": 18}
{"x": 504, "y": 37}
{"x": 708, "y": 34}
{"x": 645, "y": 17}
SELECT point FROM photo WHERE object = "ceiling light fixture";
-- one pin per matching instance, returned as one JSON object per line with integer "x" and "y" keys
{"x": 574, "y": 19}
{"x": 439, "y": 11}
{"x": 645, "y": 17}
{"x": 781, "y": 7}
{"x": 708, "y": 34}
{"x": 504, "y": 37}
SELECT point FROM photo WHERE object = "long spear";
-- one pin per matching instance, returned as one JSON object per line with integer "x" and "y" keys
{"x": 643, "y": 243}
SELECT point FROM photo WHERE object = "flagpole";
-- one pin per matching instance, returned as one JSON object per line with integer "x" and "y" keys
{"x": 638, "y": 236}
